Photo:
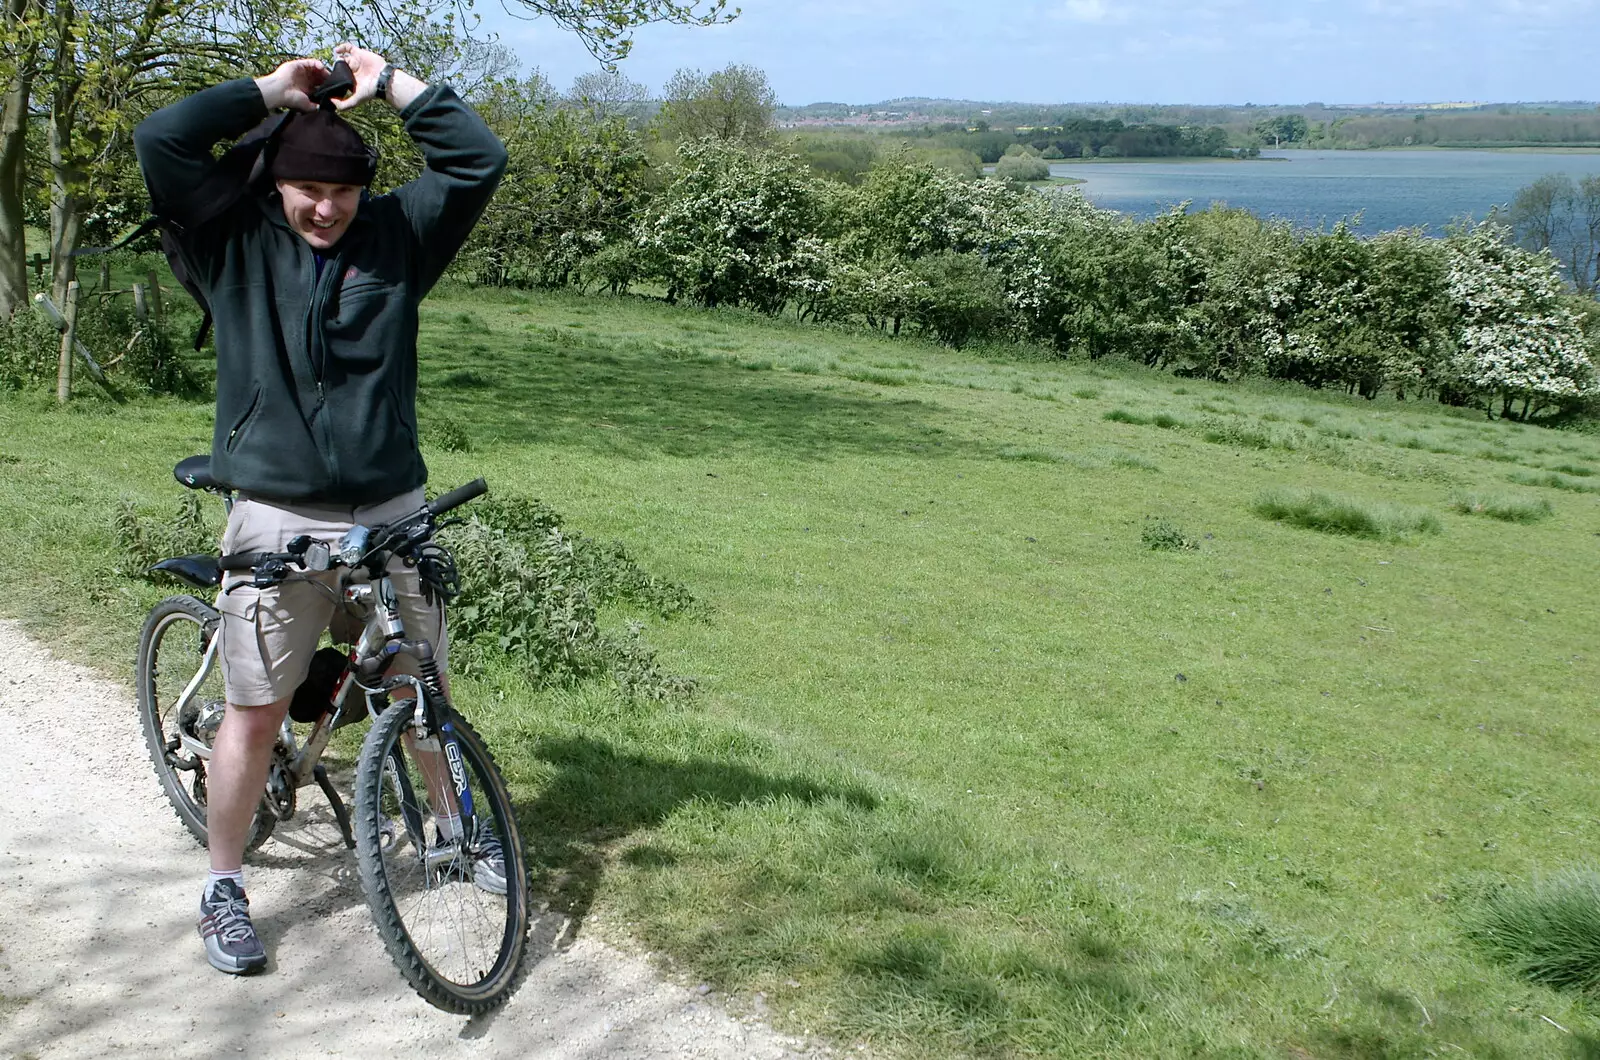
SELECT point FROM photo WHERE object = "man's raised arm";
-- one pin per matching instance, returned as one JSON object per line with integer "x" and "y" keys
{"x": 174, "y": 144}
{"x": 464, "y": 158}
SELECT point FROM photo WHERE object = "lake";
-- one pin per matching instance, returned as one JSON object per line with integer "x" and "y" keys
{"x": 1391, "y": 189}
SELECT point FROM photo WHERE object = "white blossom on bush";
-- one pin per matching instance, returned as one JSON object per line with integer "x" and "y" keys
{"x": 734, "y": 227}
{"x": 1518, "y": 337}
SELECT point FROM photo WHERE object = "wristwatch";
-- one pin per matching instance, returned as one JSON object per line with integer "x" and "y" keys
{"x": 381, "y": 91}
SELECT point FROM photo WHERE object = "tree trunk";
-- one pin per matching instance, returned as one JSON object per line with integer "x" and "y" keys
{"x": 13, "y": 164}
{"x": 68, "y": 202}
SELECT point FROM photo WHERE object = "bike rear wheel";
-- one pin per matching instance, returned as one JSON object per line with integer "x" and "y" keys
{"x": 173, "y": 655}
{"x": 456, "y": 940}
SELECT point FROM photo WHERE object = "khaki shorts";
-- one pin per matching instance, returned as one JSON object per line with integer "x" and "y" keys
{"x": 269, "y": 635}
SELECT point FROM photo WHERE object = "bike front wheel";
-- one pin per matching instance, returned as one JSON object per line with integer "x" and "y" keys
{"x": 179, "y": 686}
{"x": 452, "y": 911}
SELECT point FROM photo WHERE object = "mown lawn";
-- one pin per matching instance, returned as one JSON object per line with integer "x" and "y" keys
{"x": 973, "y": 769}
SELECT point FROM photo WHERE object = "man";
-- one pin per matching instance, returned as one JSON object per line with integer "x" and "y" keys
{"x": 314, "y": 286}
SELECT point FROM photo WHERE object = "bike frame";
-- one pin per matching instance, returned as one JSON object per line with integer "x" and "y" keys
{"x": 383, "y": 627}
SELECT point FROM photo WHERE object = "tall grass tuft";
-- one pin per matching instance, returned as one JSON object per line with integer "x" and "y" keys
{"x": 1548, "y": 931}
{"x": 1506, "y": 509}
{"x": 1239, "y": 435}
{"x": 1551, "y": 480}
{"x": 444, "y": 431}
{"x": 1124, "y": 416}
{"x": 1132, "y": 460}
{"x": 1332, "y": 514}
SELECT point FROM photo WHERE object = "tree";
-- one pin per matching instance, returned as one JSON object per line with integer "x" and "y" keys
{"x": 735, "y": 104}
{"x": 20, "y": 67}
{"x": 1022, "y": 168}
{"x": 1539, "y": 212}
{"x": 1284, "y": 129}
{"x": 1519, "y": 339}
{"x": 606, "y": 26}
{"x": 572, "y": 186}
{"x": 735, "y": 227}
{"x": 956, "y": 298}
{"x": 609, "y": 94}
{"x": 1555, "y": 213}
{"x": 95, "y": 67}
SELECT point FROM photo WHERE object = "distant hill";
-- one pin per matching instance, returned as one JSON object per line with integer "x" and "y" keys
{"x": 922, "y": 109}
{"x": 1343, "y": 125}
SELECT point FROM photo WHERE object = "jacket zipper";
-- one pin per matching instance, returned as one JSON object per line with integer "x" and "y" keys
{"x": 316, "y": 351}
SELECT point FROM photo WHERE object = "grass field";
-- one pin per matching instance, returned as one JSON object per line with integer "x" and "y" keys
{"x": 978, "y": 764}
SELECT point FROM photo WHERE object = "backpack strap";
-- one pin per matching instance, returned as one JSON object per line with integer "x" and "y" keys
{"x": 228, "y": 180}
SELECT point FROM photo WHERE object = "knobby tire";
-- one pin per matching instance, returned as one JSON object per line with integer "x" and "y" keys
{"x": 380, "y": 824}
{"x": 181, "y": 617}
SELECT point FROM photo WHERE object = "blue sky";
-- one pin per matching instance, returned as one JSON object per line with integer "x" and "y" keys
{"x": 1154, "y": 51}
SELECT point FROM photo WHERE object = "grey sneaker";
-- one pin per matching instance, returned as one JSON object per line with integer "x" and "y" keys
{"x": 489, "y": 867}
{"x": 231, "y": 942}
{"x": 486, "y": 866}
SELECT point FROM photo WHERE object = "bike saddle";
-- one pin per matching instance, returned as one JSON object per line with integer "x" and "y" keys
{"x": 195, "y": 472}
{"x": 199, "y": 571}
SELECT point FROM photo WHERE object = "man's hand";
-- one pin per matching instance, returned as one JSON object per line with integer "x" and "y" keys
{"x": 366, "y": 66}
{"x": 291, "y": 84}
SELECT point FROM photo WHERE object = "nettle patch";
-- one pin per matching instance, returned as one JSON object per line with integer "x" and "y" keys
{"x": 533, "y": 593}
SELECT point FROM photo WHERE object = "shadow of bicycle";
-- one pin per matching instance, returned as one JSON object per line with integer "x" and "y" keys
{"x": 312, "y": 847}
{"x": 600, "y": 795}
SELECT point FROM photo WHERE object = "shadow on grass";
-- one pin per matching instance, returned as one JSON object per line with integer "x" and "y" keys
{"x": 600, "y": 795}
{"x": 636, "y": 400}
{"x": 883, "y": 909}
{"x": 1395, "y": 1022}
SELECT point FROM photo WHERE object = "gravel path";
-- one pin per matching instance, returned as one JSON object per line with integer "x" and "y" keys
{"x": 99, "y": 885}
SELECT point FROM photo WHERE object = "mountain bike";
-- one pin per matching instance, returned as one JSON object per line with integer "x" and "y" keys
{"x": 456, "y": 930}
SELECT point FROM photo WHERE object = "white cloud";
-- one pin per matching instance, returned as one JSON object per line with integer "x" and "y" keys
{"x": 1087, "y": 11}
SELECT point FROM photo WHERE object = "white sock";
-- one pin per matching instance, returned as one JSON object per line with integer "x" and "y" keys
{"x": 449, "y": 824}
{"x": 215, "y": 877}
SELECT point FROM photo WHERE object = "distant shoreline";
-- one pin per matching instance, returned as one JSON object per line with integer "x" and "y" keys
{"x": 1163, "y": 160}
{"x": 1519, "y": 149}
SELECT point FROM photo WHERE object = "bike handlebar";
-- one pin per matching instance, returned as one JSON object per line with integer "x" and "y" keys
{"x": 458, "y": 496}
{"x": 271, "y": 567}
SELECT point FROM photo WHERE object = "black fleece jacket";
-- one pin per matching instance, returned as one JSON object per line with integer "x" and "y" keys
{"x": 317, "y": 375}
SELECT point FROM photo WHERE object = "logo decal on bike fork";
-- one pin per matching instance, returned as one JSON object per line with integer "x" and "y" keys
{"x": 458, "y": 773}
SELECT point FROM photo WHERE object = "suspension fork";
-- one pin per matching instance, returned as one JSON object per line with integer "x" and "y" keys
{"x": 432, "y": 738}
{"x": 432, "y": 729}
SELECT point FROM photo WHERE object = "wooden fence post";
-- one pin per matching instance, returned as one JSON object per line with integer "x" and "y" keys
{"x": 105, "y": 277}
{"x": 38, "y": 261}
{"x": 155, "y": 294}
{"x": 140, "y": 309}
{"x": 68, "y": 336}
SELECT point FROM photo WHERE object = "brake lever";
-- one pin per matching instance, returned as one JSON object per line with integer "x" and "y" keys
{"x": 270, "y": 573}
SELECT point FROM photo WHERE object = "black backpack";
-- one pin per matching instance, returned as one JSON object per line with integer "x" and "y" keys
{"x": 241, "y": 168}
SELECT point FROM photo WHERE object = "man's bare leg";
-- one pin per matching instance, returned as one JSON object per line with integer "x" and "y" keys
{"x": 489, "y": 870}
{"x": 236, "y": 776}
